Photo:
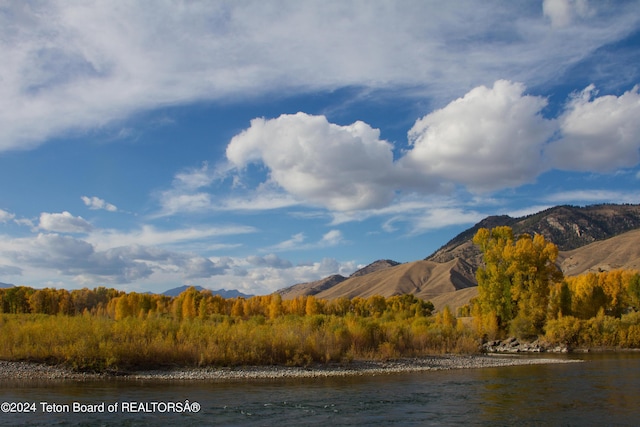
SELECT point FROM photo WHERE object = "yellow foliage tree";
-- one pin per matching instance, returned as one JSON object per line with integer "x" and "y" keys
{"x": 515, "y": 280}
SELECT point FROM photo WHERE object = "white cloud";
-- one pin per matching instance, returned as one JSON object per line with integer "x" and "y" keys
{"x": 434, "y": 219}
{"x": 270, "y": 260}
{"x": 63, "y": 223}
{"x": 332, "y": 238}
{"x": 489, "y": 139}
{"x": 195, "y": 178}
{"x": 337, "y": 167}
{"x": 96, "y": 203}
{"x": 6, "y": 216}
{"x": 52, "y": 254}
{"x": 75, "y": 66}
{"x": 294, "y": 242}
{"x": 599, "y": 134}
{"x": 173, "y": 201}
{"x": 150, "y": 236}
{"x": 563, "y": 12}
{"x": 298, "y": 242}
{"x": 260, "y": 200}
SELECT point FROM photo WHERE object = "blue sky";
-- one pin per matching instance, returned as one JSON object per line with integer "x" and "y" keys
{"x": 254, "y": 145}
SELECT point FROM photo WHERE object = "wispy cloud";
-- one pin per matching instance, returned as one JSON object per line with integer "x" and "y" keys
{"x": 299, "y": 242}
{"x": 151, "y": 236}
{"x": 105, "y": 61}
{"x": 594, "y": 196}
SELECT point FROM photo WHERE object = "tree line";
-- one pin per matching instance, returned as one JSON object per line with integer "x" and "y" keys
{"x": 123, "y": 331}
{"x": 192, "y": 303}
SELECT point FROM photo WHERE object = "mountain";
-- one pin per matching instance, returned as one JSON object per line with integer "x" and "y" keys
{"x": 222, "y": 292}
{"x": 311, "y": 288}
{"x": 424, "y": 279}
{"x": 6, "y": 285}
{"x": 318, "y": 286}
{"x": 381, "y": 264}
{"x": 569, "y": 227}
{"x": 590, "y": 238}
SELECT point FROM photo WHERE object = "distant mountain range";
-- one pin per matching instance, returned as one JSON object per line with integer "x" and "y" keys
{"x": 222, "y": 292}
{"x": 591, "y": 238}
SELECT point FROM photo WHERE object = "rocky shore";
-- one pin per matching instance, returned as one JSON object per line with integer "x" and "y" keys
{"x": 34, "y": 371}
{"x": 513, "y": 345}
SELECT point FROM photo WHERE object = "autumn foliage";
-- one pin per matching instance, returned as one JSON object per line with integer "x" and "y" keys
{"x": 105, "y": 329}
{"x": 521, "y": 292}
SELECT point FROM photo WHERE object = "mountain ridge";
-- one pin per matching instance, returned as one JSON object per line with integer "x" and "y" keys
{"x": 447, "y": 276}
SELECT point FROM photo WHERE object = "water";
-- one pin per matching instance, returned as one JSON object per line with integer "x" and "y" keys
{"x": 605, "y": 390}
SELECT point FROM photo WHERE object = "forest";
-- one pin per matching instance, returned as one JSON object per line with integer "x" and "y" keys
{"x": 521, "y": 293}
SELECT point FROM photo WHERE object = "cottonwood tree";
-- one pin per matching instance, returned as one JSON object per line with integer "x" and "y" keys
{"x": 515, "y": 281}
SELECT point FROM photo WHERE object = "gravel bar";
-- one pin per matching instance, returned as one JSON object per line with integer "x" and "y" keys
{"x": 28, "y": 371}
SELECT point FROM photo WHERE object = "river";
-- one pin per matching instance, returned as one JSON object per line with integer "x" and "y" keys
{"x": 604, "y": 390}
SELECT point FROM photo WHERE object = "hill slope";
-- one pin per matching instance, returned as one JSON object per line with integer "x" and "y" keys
{"x": 424, "y": 279}
{"x": 569, "y": 227}
{"x": 620, "y": 252}
{"x": 589, "y": 238}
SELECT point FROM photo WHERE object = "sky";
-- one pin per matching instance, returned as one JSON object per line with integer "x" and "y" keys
{"x": 253, "y": 145}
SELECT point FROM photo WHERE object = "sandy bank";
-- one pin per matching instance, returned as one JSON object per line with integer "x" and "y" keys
{"x": 27, "y": 371}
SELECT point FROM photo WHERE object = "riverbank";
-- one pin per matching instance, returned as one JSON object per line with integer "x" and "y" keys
{"x": 36, "y": 371}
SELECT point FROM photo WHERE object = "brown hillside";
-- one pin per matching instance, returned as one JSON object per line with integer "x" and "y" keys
{"x": 424, "y": 279}
{"x": 311, "y": 288}
{"x": 620, "y": 252}
{"x": 454, "y": 300}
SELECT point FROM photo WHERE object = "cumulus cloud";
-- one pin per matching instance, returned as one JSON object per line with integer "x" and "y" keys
{"x": 96, "y": 203}
{"x": 73, "y": 66}
{"x": 598, "y": 134}
{"x": 64, "y": 223}
{"x": 338, "y": 167}
{"x": 489, "y": 139}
